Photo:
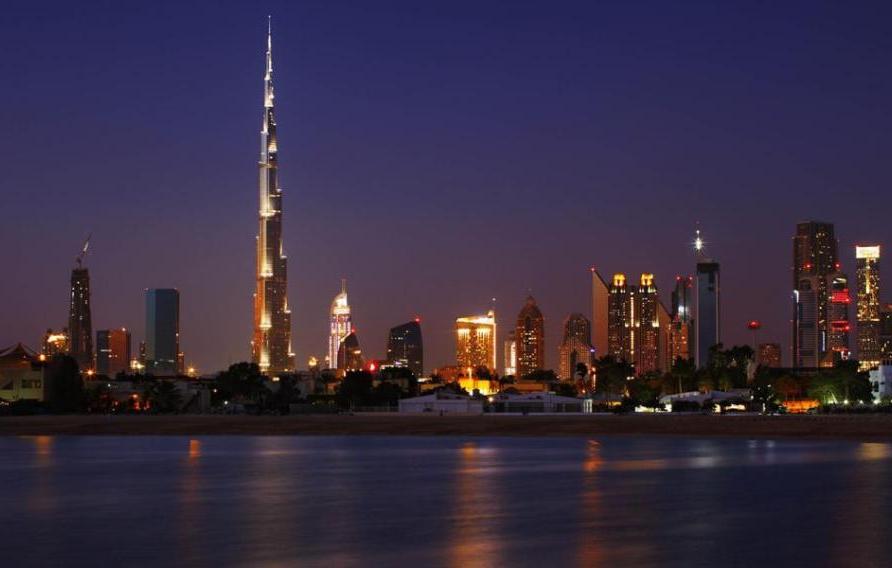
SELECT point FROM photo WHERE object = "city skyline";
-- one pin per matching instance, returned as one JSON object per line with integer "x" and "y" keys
{"x": 431, "y": 279}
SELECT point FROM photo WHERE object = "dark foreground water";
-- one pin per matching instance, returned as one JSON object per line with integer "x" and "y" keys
{"x": 379, "y": 501}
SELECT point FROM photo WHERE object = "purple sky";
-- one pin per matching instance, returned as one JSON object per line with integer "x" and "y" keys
{"x": 436, "y": 155}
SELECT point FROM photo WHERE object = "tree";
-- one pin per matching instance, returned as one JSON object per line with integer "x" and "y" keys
{"x": 612, "y": 376}
{"x": 682, "y": 375}
{"x": 564, "y": 388}
{"x": 542, "y": 376}
{"x": 164, "y": 397}
{"x": 355, "y": 390}
{"x": 241, "y": 380}
{"x": 64, "y": 385}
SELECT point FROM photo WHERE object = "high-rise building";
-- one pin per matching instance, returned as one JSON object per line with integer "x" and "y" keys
{"x": 806, "y": 334}
{"x": 340, "y": 324}
{"x": 620, "y": 320}
{"x": 475, "y": 341}
{"x": 80, "y": 326}
{"x": 664, "y": 338}
{"x": 708, "y": 309}
{"x": 55, "y": 343}
{"x": 867, "y": 272}
{"x": 349, "y": 356}
{"x": 405, "y": 347}
{"x": 681, "y": 337}
{"x": 530, "y": 336}
{"x": 815, "y": 253}
{"x": 112, "y": 351}
{"x": 886, "y": 332}
{"x": 162, "y": 331}
{"x": 510, "y": 353}
{"x": 576, "y": 345}
{"x": 769, "y": 355}
{"x": 600, "y": 316}
{"x": 647, "y": 326}
{"x": 838, "y": 316}
{"x": 271, "y": 342}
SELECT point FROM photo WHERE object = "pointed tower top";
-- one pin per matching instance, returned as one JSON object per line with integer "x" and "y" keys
{"x": 343, "y": 285}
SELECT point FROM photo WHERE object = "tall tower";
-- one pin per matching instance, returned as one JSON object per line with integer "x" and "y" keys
{"x": 530, "y": 336}
{"x": 162, "y": 331}
{"x": 815, "y": 253}
{"x": 405, "y": 347}
{"x": 620, "y": 320}
{"x": 271, "y": 343}
{"x": 647, "y": 326}
{"x": 600, "y": 295}
{"x": 708, "y": 306}
{"x": 340, "y": 325}
{"x": 80, "y": 321}
{"x": 867, "y": 273}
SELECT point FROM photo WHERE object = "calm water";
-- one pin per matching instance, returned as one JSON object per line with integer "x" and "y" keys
{"x": 343, "y": 501}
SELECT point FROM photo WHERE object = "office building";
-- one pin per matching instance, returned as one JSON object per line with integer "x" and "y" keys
{"x": 681, "y": 337}
{"x": 838, "y": 316}
{"x": 112, "y": 352}
{"x": 867, "y": 274}
{"x": 529, "y": 333}
{"x": 600, "y": 316}
{"x": 576, "y": 346}
{"x": 340, "y": 324}
{"x": 815, "y": 254}
{"x": 708, "y": 327}
{"x": 806, "y": 334}
{"x": 80, "y": 326}
{"x": 646, "y": 333}
{"x": 271, "y": 340}
{"x": 475, "y": 341}
{"x": 405, "y": 347}
{"x": 620, "y": 320}
{"x": 349, "y": 356}
{"x": 162, "y": 331}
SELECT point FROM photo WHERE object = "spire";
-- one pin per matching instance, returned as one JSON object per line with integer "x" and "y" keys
{"x": 699, "y": 244}
{"x": 343, "y": 285}
{"x": 268, "y": 78}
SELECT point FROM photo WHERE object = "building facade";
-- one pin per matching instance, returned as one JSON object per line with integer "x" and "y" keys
{"x": 55, "y": 343}
{"x": 708, "y": 327}
{"x": 271, "y": 340}
{"x": 80, "y": 319}
{"x": 838, "y": 319}
{"x": 112, "y": 351}
{"x": 576, "y": 346}
{"x": 349, "y": 356}
{"x": 867, "y": 273}
{"x": 529, "y": 334}
{"x": 162, "y": 331}
{"x": 815, "y": 254}
{"x": 620, "y": 322}
{"x": 475, "y": 341}
{"x": 405, "y": 347}
{"x": 806, "y": 323}
{"x": 509, "y": 351}
{"x": 600, "y": 314}
{"x": 646, "y": 333}
{"x": 340, "y": 324}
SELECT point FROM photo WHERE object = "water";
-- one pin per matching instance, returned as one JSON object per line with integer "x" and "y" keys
{"x": 383, "y": 501}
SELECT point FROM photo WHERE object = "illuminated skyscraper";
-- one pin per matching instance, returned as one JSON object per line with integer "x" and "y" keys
{"x": 806, "y": 335}
{"x": 838, "y": 316}
{"x": 340, "y": 324}
{"x": 681, "y": 335}
{"x": 530, "y": 336}
{"x": 112, "y": 351}
{"x": 162, "y": 331}
{"x": 576, "y": 345}
{"x": 600, "y": 316}
{"x": 708, "y": 328}
{"x": 664, "y": 338}
{"x": 886, "y": 332}
{"x": 475, "y": 341}
{"x": 510, "y": 354}
{"x": 620, "y": 320}
{"x": 647, "y": 326}
{"x": 815, "y": 253}
{"x": 405, "y": 347}
{"x": 80, "y": 321}
{"x": 867, "y": 272}
{"x": 271, "y": 343}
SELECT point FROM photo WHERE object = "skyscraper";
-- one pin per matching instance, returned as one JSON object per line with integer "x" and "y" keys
{"x": 815, "y": 253}
{"x": 647, "y": 326}
{"x": 271, "y": 343}
{"x": 475, "y": 341}
{"x": 708, "y": 329}
{"x": 806, "y": 334}
{"x": 620, "y": 320}
{"x": 886, "y": 332}
{"x": 664, "y": 338}
{"x": 600, "y": 316}
{"x": 867, "y": 273}
{"x": 405, "y": 347}
{"x": 162, "y": 331}
{"x": 681, "y": 335}
{"x": 340, "y": 324}
{"x": 80, "y": 321}
{"x": 838, "y": 316}
{"x": 510, "y": 353}
{"x": 576, "y": 345}
{"x": 112, "y": 351}
{"x": 530, "y": 336}
{"x": 349, "y": 355}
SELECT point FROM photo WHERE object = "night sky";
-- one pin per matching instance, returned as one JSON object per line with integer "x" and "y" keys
{"x": 436, "y": 155}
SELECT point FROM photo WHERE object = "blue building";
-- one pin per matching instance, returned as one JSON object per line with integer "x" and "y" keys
{"x": 162, "y": 331}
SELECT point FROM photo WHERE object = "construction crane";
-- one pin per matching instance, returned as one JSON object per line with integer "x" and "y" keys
{"x": 79, "y": 259}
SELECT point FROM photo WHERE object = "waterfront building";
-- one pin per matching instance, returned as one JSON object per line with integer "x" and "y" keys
{"x": 529, "y": 333}
{"x": 806, "y": 331}
{"x": 769, "y": 355}
{"x": 55, "y": 343}
{"x": 708, "y": 329}
{"x": 576, "y": 346}
{"x": 815, "y": 253}
{"x": 600, "y": 315}
{"x": 112, "y": 351}
{"x": 162, "y": 345}
{"x": 21, "y": 374}
{"x": 271, "y": 340}
{"x": 646, "y": 331}
{"x": 475, "y": 341}
{"x": 340, "y": 324}
{"x": 867, "y": 273}
{"x": 405, "y": 347}
{"x": 881, "y": 382}
{"x": 620, "y": 320}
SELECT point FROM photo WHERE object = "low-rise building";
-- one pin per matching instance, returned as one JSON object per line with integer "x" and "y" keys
{"x": 21, "y": 374}
{"x": 540, "y": 402}
{"x": 881, "y": 381}
{"x": 441, "y": 403}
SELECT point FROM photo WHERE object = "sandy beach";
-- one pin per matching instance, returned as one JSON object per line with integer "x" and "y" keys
{"x": 857, "y": 427}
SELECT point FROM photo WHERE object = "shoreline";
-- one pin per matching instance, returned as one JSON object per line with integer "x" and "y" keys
{"x": 848, "y": 427}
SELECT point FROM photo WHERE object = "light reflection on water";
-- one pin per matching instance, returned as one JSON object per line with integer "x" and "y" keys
{"x": 342, "y": 501}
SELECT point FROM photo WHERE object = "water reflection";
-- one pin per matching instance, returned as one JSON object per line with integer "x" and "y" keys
{"x": 188, "y": 520}
{"x": 591, "y": 552}
{"x": 476, "y": 538}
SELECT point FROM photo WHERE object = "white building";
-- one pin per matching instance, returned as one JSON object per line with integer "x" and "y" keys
{"x": 881, "y": 381}
{"x": 340, "y": 324}
{"x": 441, "y": 403}
{"x": 538, "y": 402}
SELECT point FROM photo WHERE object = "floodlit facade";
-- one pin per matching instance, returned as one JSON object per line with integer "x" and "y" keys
{"x": 475, "y": 341}
{"x": 112, "y": 351}
{"x": 621, "y": 320}
{"x": 529, "y": 333}
{"x": 867, "y": 272}
{"x": 55, "y": 343}
{"x": 162, "y": 351}
{"x": 405, "y": 347}
{"x": 271, "y": 340}
{"x": 340, "y": 324}
{"x": 576, "y": 346}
